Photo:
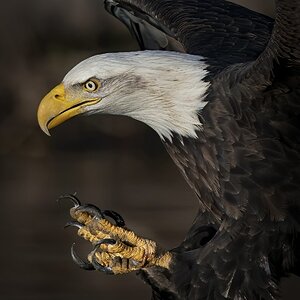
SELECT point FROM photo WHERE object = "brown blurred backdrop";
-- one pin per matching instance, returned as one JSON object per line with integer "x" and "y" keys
{"x": 114, "y": 162}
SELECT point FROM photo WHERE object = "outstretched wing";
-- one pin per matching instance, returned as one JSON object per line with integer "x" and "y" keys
{"x": 221, "y": 31}
{"x": 244, "y": 166}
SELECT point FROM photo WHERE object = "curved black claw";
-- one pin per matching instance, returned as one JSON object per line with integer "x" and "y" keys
{"x": 115, "y": 216}
{"x": 91, "y": 210}
{"x": 73, "y": 199}
{"x": 78, "y": 261}
{"x": 74, "y": 224}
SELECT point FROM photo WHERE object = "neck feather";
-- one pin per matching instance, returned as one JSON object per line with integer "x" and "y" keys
{"x": 170, "y": 94}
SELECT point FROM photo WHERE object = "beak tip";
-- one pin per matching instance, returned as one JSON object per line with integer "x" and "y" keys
{"x": 46, "y": 131}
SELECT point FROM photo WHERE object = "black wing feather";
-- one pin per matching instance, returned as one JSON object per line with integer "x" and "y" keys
{"x": 221, "y": 31}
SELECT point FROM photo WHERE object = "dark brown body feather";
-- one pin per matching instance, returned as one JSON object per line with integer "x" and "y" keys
{"x": 245, "y": 164}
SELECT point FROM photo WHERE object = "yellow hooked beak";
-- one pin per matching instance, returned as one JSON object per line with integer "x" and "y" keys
{"x": 55, "y": 109}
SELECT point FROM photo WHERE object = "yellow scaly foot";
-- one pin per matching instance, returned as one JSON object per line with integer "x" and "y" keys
{"x": 117, "y": 250}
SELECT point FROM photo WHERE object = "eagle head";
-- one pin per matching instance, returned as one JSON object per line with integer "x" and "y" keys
{"x": 165, "y": 90}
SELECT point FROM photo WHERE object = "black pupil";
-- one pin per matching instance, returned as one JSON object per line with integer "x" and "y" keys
{"x": 91, "y": 85}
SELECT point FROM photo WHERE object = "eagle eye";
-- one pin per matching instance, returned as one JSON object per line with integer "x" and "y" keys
{"x": 91, "y": 85}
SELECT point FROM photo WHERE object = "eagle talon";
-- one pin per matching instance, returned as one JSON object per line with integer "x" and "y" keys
{"x": 115, "y": 216}
{"x": 71, "y": 197}
{"x": 78, "y": 261}
{"x": 116, "y": 250}
{"x": 74, "y": 224}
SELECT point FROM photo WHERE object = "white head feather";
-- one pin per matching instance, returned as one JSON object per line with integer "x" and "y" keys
{"x": 163, "y": 89}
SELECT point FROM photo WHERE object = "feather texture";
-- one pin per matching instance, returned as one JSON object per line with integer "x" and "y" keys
{"x": 244, "y": 165}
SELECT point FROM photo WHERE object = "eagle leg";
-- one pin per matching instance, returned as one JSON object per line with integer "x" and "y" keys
{"x": 117, "y": 250}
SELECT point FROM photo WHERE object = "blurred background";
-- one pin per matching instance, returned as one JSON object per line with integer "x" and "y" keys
{"x": 114, "y": 162}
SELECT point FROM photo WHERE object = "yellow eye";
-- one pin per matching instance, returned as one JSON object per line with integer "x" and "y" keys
{"x": 91, "y": 86}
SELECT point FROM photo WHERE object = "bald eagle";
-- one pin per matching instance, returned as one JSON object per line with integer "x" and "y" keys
{"x": 220, "y": 84}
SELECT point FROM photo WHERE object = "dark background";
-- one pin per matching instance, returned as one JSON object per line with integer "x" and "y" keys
{"x": 114, "y": 162}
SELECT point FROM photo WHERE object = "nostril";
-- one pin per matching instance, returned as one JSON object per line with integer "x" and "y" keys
{"x": 58, "y": 96}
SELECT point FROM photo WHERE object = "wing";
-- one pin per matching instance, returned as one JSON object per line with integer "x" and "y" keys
{"x": 222, "y": 32}
{"x": 245, "y": 164}
{"x": 245, "y": 169}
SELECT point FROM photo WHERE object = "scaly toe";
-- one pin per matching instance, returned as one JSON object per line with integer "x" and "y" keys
{"x": 90, "y": 209}
{"x": 98, "y": 266}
